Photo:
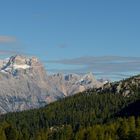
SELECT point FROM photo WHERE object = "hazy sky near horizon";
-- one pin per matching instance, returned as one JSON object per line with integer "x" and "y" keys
{"x": 59, "y": 31}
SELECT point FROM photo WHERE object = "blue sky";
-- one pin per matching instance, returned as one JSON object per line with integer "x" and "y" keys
{"x": 58, "y": 30}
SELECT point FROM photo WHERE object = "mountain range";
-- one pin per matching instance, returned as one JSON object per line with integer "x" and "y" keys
{"x": 25, "y": 84}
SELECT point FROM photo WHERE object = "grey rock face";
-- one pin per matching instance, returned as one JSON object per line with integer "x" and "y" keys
{"x": 125, "y": 87}
{"x": 24, "y": 84}
{"x": 72, "y": 83}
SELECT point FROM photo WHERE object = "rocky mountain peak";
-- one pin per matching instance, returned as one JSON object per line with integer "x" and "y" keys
{"x": 89, "y": 76}
{"x": 19, "y": 64}
{"x": 21, "y": 61}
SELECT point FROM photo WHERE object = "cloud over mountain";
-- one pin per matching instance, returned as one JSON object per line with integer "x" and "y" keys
{"x": 115, "y": 65}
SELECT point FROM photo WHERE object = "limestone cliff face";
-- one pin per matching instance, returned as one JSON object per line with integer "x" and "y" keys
{"x": 24, "y": 84}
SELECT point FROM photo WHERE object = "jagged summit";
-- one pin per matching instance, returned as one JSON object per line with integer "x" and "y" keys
{"x": 20, "y": 65}
{"x": 88, "y": 78}
{"x": 70, "y": 84}
{"x": 18, "y": 62}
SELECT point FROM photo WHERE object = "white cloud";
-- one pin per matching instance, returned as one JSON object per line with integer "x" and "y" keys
{"x": 105, "y": 65}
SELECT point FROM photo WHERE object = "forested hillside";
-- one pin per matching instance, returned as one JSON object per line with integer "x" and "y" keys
{"x": 87, "y": 116}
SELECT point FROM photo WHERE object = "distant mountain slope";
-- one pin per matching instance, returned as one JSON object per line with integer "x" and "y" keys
{"x": 70, "y": 84}
{"x": 125, "y": 87}
{"x": 24, "y": 84}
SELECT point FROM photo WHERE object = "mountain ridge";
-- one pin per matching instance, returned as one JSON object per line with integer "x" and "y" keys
{"x": 25, "y": 84}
